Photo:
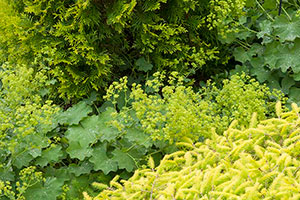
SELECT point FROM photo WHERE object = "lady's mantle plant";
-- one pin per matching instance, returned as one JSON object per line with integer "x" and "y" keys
{"x": 168, "y": 110}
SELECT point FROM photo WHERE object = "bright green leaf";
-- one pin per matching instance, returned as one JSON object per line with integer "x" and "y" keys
{"x": 138, "y": 136}
{"x": 51, "y": 154}
{"x": 239, "y": 69}
{"x": 296, "y": 76}
{"x": 273, "y": 80}
{"x": 256, "y": 49}
{"x": 74, "y": 114}
{"x": 265, "y": 28}
{"x": 294, "y": 95}
{"x": 86, "y": 132}
{"x": 78, "y": 185}
{"x": 35, "y": 152}
{"x": 287, "y": 30}
{"x": 143, "y": 65}
{"x": 241, "y": 55}
{"x": 22, "y": 158}
{"x": 286, "y": 83}
{"x": 101, "y": 161}
{"x": 93, "y": 97}
{"x": 107, "y": 132}
{"x": 75, "y": 150}
{"x": 7, "y": 173}
{"x": 283, "y": 57}
{"x": 124, "y": 160}
{"x": 262, "y": 74}
{"x": 79, "y": 169}
{"x": 50, "y": 190}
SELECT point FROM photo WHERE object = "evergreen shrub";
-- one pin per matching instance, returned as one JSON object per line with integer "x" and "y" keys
{"x": 85, "y": 44}
{"x": 261, "y": 162}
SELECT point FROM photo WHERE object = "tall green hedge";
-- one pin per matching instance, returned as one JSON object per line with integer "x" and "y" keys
{"x": 84, "y": 44}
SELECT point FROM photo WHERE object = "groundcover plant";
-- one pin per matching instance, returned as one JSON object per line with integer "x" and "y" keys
{"x": 54, "y": 154}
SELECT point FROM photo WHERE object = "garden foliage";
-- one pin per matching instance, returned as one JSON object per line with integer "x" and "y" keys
{"x": 68, "y": 150}
{"x": 168, "y": 110}
{"x": 257, "y": 163}
{"x": 59, "y": 132}
{"x": 84, "y": 45}
{"x": 25, "y": 119}
{"x": 48, "y": 153}
{"x": 269, "y": 44}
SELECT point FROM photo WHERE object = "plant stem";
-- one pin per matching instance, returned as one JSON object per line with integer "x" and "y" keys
{"x": 269, "y": 16}
{"x": 285, "y": 11}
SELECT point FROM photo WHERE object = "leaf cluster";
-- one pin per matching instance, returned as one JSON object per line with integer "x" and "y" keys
{"x": 25, "y": 119}
{"x": 268, "y": 45}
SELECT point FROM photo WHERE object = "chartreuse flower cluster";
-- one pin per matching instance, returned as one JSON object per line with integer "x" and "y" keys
{"x": 261, "y": 162}
{"x": 240, "y": 96}
{"x": 224, "y": 15}
{"x": 172, "y": 111}
{"x": 22, "y": 110}
{"x": 28, "y": 177}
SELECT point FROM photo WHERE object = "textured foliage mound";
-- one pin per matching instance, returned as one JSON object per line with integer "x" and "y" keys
{"x": 82, "y": 42}
{"x": 261, "y": 162}
{"x": 24, "y": 117}
{"x": 50, "y": 154}
{"x": 167, "y": 109}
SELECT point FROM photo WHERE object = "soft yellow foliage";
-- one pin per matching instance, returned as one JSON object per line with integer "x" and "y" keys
{"x": 261, "y": 162}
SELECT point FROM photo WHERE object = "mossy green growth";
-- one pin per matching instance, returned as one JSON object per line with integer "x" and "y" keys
{"x": 167, "y": 109}
{"x": 261, "y": 162}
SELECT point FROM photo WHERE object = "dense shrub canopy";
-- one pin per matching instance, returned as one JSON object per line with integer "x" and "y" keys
{"x": 82, "y": 42}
